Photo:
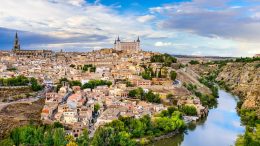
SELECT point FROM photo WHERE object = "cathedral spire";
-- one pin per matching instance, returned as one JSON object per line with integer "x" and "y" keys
{"x": 138, "y": 40}
{"x": 16, "y": 42}
{"x": 118, "y": 39}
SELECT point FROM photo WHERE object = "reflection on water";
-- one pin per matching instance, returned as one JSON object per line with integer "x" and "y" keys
{"x": 220, "y": 128}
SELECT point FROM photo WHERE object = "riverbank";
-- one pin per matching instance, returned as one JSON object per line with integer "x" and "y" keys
{"x": 220, "y": 127}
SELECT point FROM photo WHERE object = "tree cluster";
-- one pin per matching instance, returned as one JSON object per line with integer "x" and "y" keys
{"x": 21, "y": 81}
{"x": 166, "y": 59}
{"x": 94, "y": 83}
{"x": 46, "y": 135}
{"x": 89, "y": 67}
{"x": 122, "y": 131}
{"x": 188, "y": 110}
{"x": 192, "y": 62}
{"x": 206, "y": 100}
{"x": 140, "y": 94}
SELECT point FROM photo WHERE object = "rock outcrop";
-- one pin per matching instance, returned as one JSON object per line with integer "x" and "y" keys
{"x": 243, "y": 79}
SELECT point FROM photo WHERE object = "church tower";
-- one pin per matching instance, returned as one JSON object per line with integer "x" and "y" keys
{"x": 16, "y": 46}
{"x": 138, "y": 44}
{"x": 117, "y": 44}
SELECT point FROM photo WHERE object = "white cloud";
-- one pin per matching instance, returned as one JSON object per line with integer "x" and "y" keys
{"x": 145, "y": 18}
{"x": 163, "y": 44}
{"x": 72, "y": 18}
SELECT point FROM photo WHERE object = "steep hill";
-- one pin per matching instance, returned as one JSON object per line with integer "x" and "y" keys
{"x": 243, "y": 79}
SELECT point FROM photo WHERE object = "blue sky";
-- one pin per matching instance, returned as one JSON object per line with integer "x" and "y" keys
{"x": 191, "y": 27}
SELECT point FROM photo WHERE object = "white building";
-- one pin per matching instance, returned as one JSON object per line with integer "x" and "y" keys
{"x": 127, "y": 46}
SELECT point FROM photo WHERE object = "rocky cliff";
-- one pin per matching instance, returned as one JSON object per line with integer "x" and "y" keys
{"x": 243, "y": 79}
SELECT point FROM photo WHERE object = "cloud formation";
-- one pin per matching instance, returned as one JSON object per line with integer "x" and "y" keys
{"x": 219, "y": 27}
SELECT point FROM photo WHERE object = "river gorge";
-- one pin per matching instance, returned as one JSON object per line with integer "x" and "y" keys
{"x": 220, "y": 128}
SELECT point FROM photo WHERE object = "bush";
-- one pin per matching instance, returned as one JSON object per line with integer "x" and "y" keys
{"x": 166, "y": 59}
{"x": 173, "y": 75}
{"x": 192, "y": 62}
{"x": 188, "y": 110}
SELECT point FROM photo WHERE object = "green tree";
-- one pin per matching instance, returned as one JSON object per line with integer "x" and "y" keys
{"x": 83, "y": 140}
{"x": 59, "y": 137}
{"x": 173, "y": 75}
{"x": 96, "y": 107}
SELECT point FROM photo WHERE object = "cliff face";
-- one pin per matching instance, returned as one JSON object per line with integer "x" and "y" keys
{"x": 243, "y": 79}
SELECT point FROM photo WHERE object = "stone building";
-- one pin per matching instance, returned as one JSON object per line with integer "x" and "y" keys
{"x": 127, "y": 46}
{"x": 29, "y": 53}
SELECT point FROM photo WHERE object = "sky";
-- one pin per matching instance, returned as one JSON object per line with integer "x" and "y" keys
{"x": 184, "y": 27}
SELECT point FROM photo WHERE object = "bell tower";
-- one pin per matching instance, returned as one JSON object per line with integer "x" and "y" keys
{"x": 16, "y": 46}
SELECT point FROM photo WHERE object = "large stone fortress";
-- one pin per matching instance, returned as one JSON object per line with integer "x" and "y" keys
{"x": 127, "y": 46}
{"x": 29, "y": 53}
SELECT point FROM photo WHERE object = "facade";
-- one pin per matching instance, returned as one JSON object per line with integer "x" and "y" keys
{"x": 29, "y": 53}
{"x": 127, "y": 46}
{"x": 257, "y": 55}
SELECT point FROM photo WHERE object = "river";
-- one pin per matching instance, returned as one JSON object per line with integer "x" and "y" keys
{"x": 220, "y": 128}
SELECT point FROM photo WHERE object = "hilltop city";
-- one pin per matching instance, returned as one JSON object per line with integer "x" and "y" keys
{"x": 87, "y": 92}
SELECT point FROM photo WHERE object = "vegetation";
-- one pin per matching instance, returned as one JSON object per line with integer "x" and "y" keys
{"x": 89, "y": 67}
{"x": 209, "y": 82}
{"x": 75, "y": 83}
{"x": 72, "y": 65}
{"x": 96, "y": 107}
{"x": 34, "y": 85}
{"x": 94, "y": 83}
{"x": 250, "y": 138}
{"x": 192, "y": 62}
{"x": 71, "y": 83}
{"x": 188, "y": 110}
{"x": 125, "y": 129}
{"x": 47, "y": 135}
{"x": 166, "y": 59}
{"x": 173, "y": 75}
{"x": 148, "y": 73}
{"x": 250, "y": 120}
{"x": 21, "y": 81}
{"x": 140, "y": 94}
{"x": 11, "y": 69}
{"x": 247, "y": 59}
{"x": 206, "y": 100}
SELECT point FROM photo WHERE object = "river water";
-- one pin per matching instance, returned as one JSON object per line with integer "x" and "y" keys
{"x": 220, "y": 128}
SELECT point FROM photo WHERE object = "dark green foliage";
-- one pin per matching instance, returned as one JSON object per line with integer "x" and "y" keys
{"x": 96, "y": 107}
{"x": 35, "y": 86}
{"x": 188, "y": 110}
{"x": 94, "y": 83}
{"x": 11, "y": 69}
{"x": 75, "y": 83}
{"x": 83, "y": 140}
{"x": 51, "y": 135}
{"x": 192, "y": 62}
{"x": 247, "y": 59}
{"x": 140, "y": 94}
{"x": 72, "y": 66}
{"x": 148, "y": 73}
{"x": 21, "y": 81}
{"x": 166, "y": 59}
{"x": 89, "y": 67}
{"x": 15, "y": 81}
{"x": 173, "y": 75}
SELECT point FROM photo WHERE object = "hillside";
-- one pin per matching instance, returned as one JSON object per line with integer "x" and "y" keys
{"x": 243, "y": 79}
